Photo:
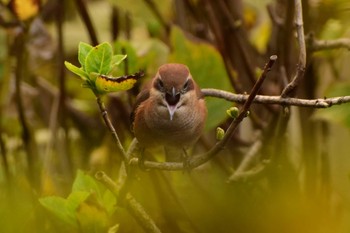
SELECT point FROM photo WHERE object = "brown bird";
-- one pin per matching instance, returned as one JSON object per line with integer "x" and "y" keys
{"x": 170, "y": 112}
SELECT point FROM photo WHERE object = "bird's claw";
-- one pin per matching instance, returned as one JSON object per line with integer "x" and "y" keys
{"x": 141, "y": 162}
{"x": 186, "y": 161}
{"x": 187, "y": 164}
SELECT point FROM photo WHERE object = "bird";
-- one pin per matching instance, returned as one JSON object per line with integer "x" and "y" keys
{"x": 170, "y": 112}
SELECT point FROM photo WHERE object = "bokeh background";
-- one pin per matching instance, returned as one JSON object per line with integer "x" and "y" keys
{"x": 53, "y": 139}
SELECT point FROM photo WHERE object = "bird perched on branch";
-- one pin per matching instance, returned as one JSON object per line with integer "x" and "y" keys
{"x": 170, "y": 111}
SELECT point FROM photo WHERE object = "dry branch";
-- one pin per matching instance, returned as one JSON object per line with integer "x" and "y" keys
{"x": 318, "y": 45}
{"x": 302, "y": 51}
{"x": 263, "y": 99}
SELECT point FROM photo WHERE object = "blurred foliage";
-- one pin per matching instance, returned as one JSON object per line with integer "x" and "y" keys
{"x": 87, "y": 207}
{"x": 52, "y": 138}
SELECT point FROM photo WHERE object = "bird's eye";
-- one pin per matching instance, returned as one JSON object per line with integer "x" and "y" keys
{"x": 160, "y": 85}
{"x": 185, "y": 87}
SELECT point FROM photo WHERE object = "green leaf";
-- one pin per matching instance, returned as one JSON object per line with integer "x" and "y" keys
{"x": 76, "y": 70}
{"x": 117, "y": 59}
{"x": 75, "y": 199}
{"x": 207, "y": 68}
{"x": 99, "y": 59}
{"x": 132, "y": 61}
{"x": 92, "y": 218}
{"x": 83, "y": 51}
{"x": 109, "y": 201}
{"x": 65, "y": 209}
{"x": 58, "y": 206}
{"x": 85, "y": 183}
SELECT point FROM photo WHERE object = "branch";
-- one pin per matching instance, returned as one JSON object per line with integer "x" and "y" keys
{"x": 246, "y": 162}
{"x": 263, "y": 99}
{"x": 111, "y": 128}
{"x": 133, "y": 207}
{"x": 302, "y": 51}
{"x": 319, "y": 45}
{"x": 198, "y": 160}
{"x": 201, "y": 159}
{"x": 19, "y": 48}
{"x": 255, "y": 172}
{"x": 87, "y": 21}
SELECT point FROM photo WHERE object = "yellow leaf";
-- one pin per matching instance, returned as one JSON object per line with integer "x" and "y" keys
{"x": 105, "y": 84}
{"x": 25, "y": 9}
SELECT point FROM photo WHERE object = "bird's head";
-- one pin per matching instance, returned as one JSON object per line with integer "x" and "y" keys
{"x": 174, "y": 83}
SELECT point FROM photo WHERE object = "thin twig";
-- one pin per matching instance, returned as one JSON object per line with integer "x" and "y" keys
{"x": 27, "y": 137}
{"x": 201, "y": 159}
{"x": 65, "y": 157}
{"x": 87, "y": 21}
{"x": 264, "y": 99}
{"x": 133, "y": 207}
{"x": 319, "y": 45}
{"x": 111, "y": 128}
{"x": 247, "y": 161}
{"x": 302, "y": 51}
{"x": 255, "y": 172}
{"x": 196, "y": 161}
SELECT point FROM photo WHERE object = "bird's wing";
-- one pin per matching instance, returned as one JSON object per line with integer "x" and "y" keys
{"x": 142, "y": 96}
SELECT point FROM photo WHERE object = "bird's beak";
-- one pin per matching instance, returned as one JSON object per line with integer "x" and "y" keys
{"x": 172, "y": 108}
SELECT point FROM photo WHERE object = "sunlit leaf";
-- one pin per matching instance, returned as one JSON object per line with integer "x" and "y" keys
{"x": 109, "y": 201}
{"x": 25, "y": 9}
{"x": 75, "y": 199}
{"x": 105, "y": 84}
{"x": 85, "y": 183}
{"x": 117, "y": 59}
{"x": 65, "y": 209}
{"x": 57, "y": 205}
{"x": 83, "y": 51}
{"x": 76, "y": 70}
{"x": 207, "y": 68}
{"x": 99, "y": 59}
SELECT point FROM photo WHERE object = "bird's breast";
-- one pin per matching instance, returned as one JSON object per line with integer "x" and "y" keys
{"x": 156, "y": 128}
